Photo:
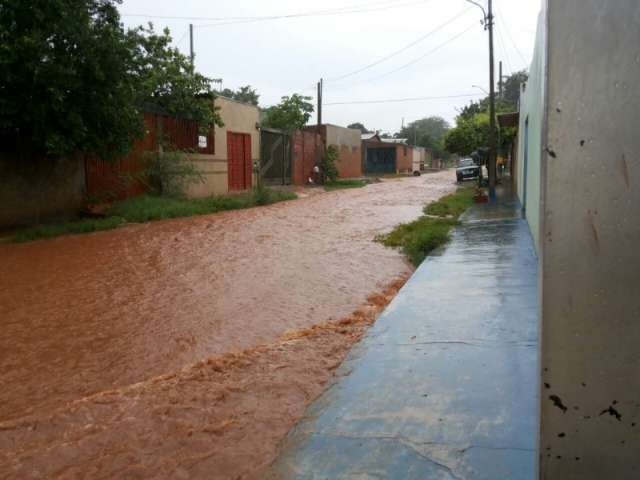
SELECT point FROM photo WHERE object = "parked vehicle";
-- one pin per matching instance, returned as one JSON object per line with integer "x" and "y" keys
{"x": 467, "y": 169}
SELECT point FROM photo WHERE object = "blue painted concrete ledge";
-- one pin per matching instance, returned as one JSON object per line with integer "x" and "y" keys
{"x": 444, "y": 386}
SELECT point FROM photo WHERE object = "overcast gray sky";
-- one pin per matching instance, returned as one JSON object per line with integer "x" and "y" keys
{"x": 288, "y": 55}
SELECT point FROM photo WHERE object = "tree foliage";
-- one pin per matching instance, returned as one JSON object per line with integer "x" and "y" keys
{"x": 165, "y": 78}
{"x": 359, "y": 126}
{"x": 65, "y": 83}
{"x": 472, "y": 124}
{"x": 328, "y": 168}
{"x": 290, "y": 114}
{"x": 511, "y": 87}
{"x": 73, "y": 80}
{"x": 244, "y": 94}
{"x": 469, "y": 135}
{"x": 428, "y": 132}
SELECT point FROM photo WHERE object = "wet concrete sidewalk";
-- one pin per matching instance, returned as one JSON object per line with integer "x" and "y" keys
{"x": 445, "y": 385}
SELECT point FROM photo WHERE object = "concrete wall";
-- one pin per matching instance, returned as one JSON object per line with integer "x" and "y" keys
{"x": 418, "y": 159}
{"x": 590, "y": 256}
{"x": 238, "y": 118}
{"x": 349, "y": 145}
{"x": 307, "y": 150}
{"x": 41, "y": 189}
{"x": 404, "y": 159}
{"x": 530, "y": 129}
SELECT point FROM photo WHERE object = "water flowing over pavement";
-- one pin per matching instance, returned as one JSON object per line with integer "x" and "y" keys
{"x": 92, "y": 320}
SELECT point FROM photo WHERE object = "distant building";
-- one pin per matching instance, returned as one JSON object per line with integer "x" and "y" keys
{"x": 348, "y": 143}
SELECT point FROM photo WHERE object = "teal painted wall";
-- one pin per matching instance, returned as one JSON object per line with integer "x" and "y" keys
{"x": 532, "y": 111}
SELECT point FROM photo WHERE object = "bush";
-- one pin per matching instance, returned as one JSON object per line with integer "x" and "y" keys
{"x": 328, "y": 169}
{"x": 170, "y": 173}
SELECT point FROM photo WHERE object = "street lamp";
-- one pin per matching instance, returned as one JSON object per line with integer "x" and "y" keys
{"x": 488, "y": 25}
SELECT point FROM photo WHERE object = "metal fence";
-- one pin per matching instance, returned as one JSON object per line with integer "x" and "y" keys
{"x": 120, "y": 178}
{"x": 275, "y": 157}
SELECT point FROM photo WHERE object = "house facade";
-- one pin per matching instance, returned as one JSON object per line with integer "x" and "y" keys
{"x": 578, "y": 180}
{"x": 237, "y": 147}
{"x": 347, "y": 141}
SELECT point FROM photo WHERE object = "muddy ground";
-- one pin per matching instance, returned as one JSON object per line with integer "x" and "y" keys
{"x": 188, "y": 348}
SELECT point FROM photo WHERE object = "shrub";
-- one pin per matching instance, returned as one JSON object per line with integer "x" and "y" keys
{"x": 328, "y": 169}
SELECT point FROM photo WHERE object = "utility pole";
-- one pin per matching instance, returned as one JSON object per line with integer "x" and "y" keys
{"x": 500, "y": 81}
{"x": 488, "y": 25}
{"x": 320, "y": 102}
{"x": 492, "y": 109}
{"x": 191, "y": 54}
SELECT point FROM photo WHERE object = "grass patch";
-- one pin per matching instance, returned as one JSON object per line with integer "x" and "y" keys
{"x": 64, "y": 228}
{"x": 346, "y": 183}
{"x": 420, "y": 237}
{"x": 452, "y": 205}
{"x": 147, "y": 208}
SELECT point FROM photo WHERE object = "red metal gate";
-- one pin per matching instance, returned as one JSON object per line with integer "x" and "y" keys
{"x": 239, "y": 160}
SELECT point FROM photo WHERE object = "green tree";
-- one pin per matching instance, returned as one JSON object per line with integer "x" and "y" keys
{"x": 165, "y": 78}
{"x": 328, "y": 168}
{"x": 73, "y": 80}
{"x": 432, "y": 128}
{"x": 472, "y": 123}
{"x": 65, "y": 83}
{"x": 428, "y": 132}
{"x": 290, "y": 114}
{"x": 469, "y": 135}
{"x": 359, "y": 126}
{"x": 511, "y": 87}
{"x": 244, "y": 94}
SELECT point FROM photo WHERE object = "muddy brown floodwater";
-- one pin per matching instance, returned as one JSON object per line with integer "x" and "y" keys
{"x": 187, "y": 348}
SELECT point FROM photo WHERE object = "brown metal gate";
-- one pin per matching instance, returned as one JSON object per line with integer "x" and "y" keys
{"x": 239, "y": 160}
{"x": 275, "y": 157}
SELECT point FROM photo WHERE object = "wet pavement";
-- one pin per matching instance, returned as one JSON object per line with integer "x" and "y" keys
{"x": 444, "y": 386}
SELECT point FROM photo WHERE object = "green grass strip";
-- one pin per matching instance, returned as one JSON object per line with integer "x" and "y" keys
{"x": 147, "y": 208}
{"x": 419, "y": 238}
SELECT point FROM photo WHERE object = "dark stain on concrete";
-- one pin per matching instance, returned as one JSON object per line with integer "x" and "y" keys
{"x": 562, "y": 435}
{"x": 625, "y": 170}
{"x": 594, "y": 232}
{"x": 551, "y": 152}
{"x": 546, "y": 385}
{"x": 613, "y": 412}
{"x": 582, "y": 143}
{"x": 557, "y": 402}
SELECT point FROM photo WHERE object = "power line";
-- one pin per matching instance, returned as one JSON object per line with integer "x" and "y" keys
{"x": 515, "y": 45}
{"x": 504, "y": 49}
{"x": 398, "y": 100}
{"x": 406, "y": 47}
{"x": 421, "y": 57}
{"x": 317, "y": 14}
{"x": 220, "y": 21}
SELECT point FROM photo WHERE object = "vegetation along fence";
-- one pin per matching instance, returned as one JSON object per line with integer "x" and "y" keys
{"x": 121, "y": 178}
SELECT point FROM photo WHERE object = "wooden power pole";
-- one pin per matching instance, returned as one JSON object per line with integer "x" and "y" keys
{"x": 492, "y": 108}
{"x": 320, "y": 102}
{"x": 191, "y": 53}
{"x": 488, "y": 25}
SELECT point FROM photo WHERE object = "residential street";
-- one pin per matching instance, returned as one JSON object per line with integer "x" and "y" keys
{"x": 98, "y": 326}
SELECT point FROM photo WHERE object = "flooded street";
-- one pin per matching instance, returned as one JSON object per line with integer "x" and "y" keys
{"x": 119, "y": 346}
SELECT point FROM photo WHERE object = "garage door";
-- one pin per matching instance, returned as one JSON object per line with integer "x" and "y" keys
{"x": 239, "y": 160}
